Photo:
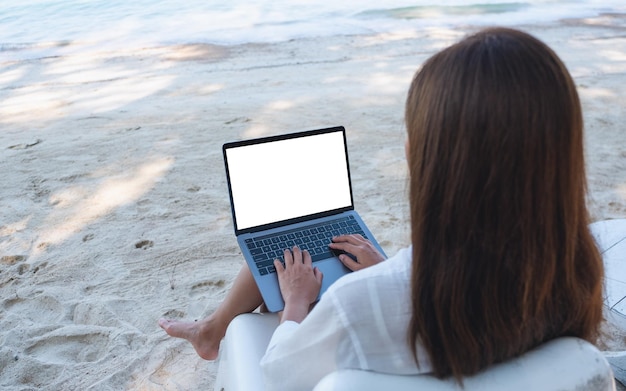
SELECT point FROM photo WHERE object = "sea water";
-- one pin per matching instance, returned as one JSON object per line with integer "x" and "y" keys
{"x": 130, "y": 23}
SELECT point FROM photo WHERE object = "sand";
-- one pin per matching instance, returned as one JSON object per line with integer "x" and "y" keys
{"x": 114, "y": 202}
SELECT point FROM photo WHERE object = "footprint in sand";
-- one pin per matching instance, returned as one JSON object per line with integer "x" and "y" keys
{"x": 72, "y": 178}
{"x": 202, "y": 287}
{"x": 203, "y": 291}
{"x": 23, "y": 268}
{"x": 69, "y": 345}
{"x": 39, "y": 267}
{"x": 38, "y": 189}
{"x": 144, "y": 244}
{"x": 11, "y": 260}
{"x": 25, "y": 145}
{"x": 94, "y": 314}
{"x": 40, "y": 309}
{"x": 242, "y": 120}
{"x": 174, "y": 314}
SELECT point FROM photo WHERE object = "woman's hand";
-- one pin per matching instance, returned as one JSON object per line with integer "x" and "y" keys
{"x": 362, "y": 249}
{"x": 299, "y": 283}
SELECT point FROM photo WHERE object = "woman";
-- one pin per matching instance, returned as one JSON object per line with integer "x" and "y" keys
{"x": 501, "y": 257}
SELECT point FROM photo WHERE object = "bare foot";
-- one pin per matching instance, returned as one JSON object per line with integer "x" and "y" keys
{"x": 204, "y": 335}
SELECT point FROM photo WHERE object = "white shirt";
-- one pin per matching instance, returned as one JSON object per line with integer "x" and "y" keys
{"x": 360, "y": 322}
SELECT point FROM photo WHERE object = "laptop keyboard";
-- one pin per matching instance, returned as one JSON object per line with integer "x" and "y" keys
{"x": 313, "y": 238}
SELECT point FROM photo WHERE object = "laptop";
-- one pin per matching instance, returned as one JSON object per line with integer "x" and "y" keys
{"x": 291, "y": 189}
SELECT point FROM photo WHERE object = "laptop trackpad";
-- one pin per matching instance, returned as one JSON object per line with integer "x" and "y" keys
{"x": 333, "y": 269}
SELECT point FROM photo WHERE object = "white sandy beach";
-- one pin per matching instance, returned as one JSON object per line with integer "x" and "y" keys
{"x": 114, "y": 202}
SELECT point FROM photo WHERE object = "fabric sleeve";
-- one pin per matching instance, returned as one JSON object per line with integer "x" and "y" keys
{"x": 300, "y": 355}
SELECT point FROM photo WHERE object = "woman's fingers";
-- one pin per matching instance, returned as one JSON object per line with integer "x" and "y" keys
{"x": 360, "y": 248}
{"x": 299, "y": 282}
{"x": 288, "y": 257}
{"x": 295, "y": 256}
{"x": 306, "y": 258}
{"x": 318, "y": 275}
{"x": 348, "y": 243}
{"x": 354, "y": 239}
{"x": 279, "y": 266}
{"x": 345, "y": 247}
{"x": 350, "y": 263}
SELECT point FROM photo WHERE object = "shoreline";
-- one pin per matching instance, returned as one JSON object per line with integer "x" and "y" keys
{"x": 600, "y": 19}
{"x": 116, "y": 207}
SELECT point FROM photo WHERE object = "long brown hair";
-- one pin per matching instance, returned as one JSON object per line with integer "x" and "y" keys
{"x": 503, "y": 259}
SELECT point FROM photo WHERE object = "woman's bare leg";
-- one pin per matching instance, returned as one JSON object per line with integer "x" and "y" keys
{"x": 205, "y": 335}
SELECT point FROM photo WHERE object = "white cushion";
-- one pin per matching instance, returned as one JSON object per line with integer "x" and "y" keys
{"x": 559, "y": 365}
{"x": 562, "y": 364}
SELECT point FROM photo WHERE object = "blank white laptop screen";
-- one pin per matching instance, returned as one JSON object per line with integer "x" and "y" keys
{"x": 287, "y": 179}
